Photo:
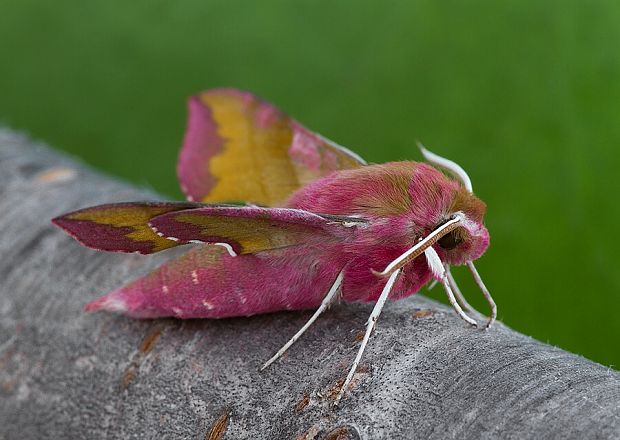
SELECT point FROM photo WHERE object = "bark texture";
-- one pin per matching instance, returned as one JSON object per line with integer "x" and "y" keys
{"x": 67, "y": 374}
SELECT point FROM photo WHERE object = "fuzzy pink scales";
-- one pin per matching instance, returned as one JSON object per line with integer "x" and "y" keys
{"x": 207, "y": 282}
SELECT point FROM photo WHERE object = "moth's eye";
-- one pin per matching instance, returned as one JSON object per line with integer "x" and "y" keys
{"x": 451, "y": 240}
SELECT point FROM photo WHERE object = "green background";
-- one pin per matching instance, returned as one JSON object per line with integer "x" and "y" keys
{"x": 524, "y": 94}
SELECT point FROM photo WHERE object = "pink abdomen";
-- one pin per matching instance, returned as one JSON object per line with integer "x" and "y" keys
{"x": 208, "y": 283}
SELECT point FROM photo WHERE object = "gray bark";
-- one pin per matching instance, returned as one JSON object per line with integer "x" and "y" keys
{"x": 67, "y": 374}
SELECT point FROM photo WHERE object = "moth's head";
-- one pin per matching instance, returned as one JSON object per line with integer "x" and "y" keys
{"x": 447, "y": 211}
{"x": 446, "y": 218}
{"x": 460, "y": 230}
{"x": 470, "y": 238}
{"x": 456, "y": 236}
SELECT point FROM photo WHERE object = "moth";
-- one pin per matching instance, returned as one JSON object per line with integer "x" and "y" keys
{"x": 320, "y": 225}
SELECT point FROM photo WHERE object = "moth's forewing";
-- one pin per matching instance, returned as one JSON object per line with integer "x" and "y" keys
{"x": 238, "y": 147}
{"x": 120, "y": 227}
{"x": 251, "y": 229}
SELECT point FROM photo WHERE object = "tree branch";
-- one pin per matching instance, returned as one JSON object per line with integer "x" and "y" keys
{"x": 67, "y": 374}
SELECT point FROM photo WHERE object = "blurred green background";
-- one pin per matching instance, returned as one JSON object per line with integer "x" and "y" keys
{"x": 525, "y": 95}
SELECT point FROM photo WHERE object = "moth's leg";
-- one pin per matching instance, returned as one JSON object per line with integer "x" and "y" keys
{"x": 370, "y": 325}
{"x": 440, "y": 273}
{"x": 485, "y": 292}
{"x": 432, "y": 285}
{"x": 463, "y": 302}
{"x": 457, "y": 292}
{"x": 455, "y": 304}
{"x": 324, "y": 305}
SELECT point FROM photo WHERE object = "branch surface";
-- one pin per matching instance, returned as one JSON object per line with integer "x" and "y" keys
{"x": 67, "y": 374}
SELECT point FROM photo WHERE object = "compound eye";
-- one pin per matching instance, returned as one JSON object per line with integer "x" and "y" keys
{"x": 451, "y": 240}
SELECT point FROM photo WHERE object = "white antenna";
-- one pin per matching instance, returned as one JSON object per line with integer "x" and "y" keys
{"x": 448, "y": 165}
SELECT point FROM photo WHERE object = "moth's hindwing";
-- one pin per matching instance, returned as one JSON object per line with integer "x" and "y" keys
{"x": 240, "y": 148}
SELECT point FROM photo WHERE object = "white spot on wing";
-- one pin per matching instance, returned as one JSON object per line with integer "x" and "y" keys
{"x": 165, "y": 289}
{"x": 208, "y": 305}
{"x": 194, "y": 277}
{"x": 186, "y": 191}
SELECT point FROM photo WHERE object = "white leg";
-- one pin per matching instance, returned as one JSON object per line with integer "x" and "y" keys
{"x": 432, "y": 285}
{"x": 440, "y": 272}
{"x": 457, "y": 292}
{"x": 324, "y": 305}
{"x": 455, "y": 304}
{"x": 485, "y": 292}
{"x": 370, "y": 325}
